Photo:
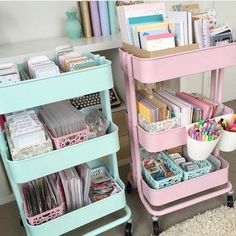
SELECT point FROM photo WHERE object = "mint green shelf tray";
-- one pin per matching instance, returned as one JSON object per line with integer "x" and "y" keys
{"x": 51, "y": 162}
{"x": 40, "y": 91}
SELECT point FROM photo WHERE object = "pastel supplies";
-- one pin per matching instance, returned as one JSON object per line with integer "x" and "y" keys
{"x": 205, "y": 131}
{"x": 42, "y": 66}
{"x": 228, "y": 125}
{"x": 93, "y": 5}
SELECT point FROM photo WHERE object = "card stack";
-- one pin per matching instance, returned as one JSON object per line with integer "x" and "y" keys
{"x": 42, "y": 66}
{"x": 25, "y": 129}
{"x": 9, "y": 73}
{"x": 70, "y": 60}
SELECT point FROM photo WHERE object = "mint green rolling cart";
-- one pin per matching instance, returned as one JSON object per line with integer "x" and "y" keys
{"x": 36, "y": 92}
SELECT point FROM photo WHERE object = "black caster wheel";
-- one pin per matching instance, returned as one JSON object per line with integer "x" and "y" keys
{"x": 21, "y": 223}
{"x": 156, "y": 228}
{"x": 128, "y": 187}
{"x": 128, "y": 229}
{"x": 230, "y": 201}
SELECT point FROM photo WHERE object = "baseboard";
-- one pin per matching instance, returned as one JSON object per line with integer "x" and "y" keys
{"x": 5, "y": 200}
{"x": 124, "y": 162}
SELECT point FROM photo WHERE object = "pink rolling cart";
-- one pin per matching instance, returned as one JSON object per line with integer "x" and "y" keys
{"x": 151, "y": 70}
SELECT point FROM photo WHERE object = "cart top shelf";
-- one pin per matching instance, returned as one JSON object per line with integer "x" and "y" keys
{"x": 40, "y": 91}
{"x": 151, "y": 70}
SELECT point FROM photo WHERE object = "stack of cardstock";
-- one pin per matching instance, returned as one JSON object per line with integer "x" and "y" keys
{"x": 209, "y": 109}
{"x": 42, "y": 66}
{"x": 62, "y": 118}
{"x": 177, "y": 105}
{"x": 126, "y": 12}
{"x": 25, "y": 129}
{"x": 73, "y": 188}
{"x": 70, "y": 60}
{"x": 42, "y": 195}
{"x": 9, "y": 73}
{"x": 151, "y": 108}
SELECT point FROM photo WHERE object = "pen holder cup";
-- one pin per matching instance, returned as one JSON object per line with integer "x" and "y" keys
{"x": 70, "y": 139}
{"x": 200, "y": 150}
{"x": 227, "y": 141}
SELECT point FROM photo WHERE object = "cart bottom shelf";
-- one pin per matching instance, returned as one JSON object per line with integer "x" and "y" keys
{"x": 83, "y": 216}
{"x": 160, "y": 197}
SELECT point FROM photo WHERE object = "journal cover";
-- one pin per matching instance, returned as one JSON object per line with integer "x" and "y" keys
{"x": 93, "y": 5}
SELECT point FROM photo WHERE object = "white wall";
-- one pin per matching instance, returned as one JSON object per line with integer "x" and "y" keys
{"x": 25, "y": 20}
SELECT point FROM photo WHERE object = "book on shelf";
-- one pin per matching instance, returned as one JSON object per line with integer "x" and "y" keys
{"x": 112, "y": 17}
{"x": 104, "y": 17}
{"x": 93, "y": 6}
{"x": 85, "y": 15}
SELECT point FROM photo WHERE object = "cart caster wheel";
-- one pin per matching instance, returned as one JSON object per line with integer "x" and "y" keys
{"x": 230, "y": 201}
{"x": 128, "y": 187}
{"x": 156, "y": 228}
{"x": 128, "y": 229}
{"x": 21, "y": 223}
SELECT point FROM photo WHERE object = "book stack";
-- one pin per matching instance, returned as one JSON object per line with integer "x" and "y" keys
{"x": 98, "y": 18}
{"x": 206, "y": 32}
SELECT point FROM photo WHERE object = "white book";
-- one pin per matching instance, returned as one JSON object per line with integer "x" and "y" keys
{"x": 180, "y": 16}
{"x": 177, "y": 28}
{"x": 145, "y": 9}
{"x": 206, "y": 33}
{"x": 190, "y": 28}
{"x": 198, "y": 32}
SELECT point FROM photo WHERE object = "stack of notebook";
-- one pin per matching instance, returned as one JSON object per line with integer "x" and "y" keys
{"x": 165, "y": 104}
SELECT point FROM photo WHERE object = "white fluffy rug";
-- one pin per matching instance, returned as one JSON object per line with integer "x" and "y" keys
{"x": 217, "y": 222}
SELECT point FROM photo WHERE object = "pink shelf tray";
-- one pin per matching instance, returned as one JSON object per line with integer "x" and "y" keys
{"x": 152, "y": 70}
{"x": 69, "y": 139}
{"x": 155, "y": 142}
{"x": 158, "y": 197}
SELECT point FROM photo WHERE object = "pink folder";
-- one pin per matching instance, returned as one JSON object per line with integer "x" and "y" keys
{"x": 206, "y": 108}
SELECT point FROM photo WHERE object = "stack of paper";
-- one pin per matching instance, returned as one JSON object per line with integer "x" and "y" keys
{"x": 62, "y": 118}
{"x": 25, "y": 129}
{"x": 42, "y": 194}
{"x": 42, "y": 66}
{"x": 9, "y": 73}
{"x": 70, "y": 60}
